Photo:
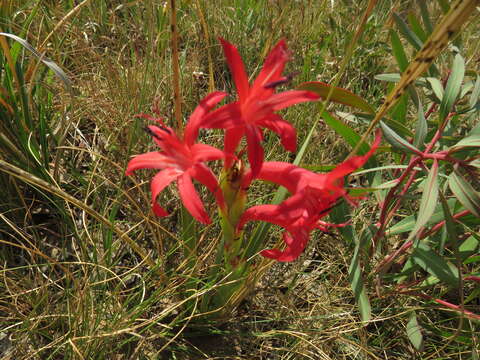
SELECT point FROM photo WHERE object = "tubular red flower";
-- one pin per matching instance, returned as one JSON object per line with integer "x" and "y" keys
{"x": 256, "y": 105}
{"x": 313, "y": 197}
{"x": 181, "y": 160}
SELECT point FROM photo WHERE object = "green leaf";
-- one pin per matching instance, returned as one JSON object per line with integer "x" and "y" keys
{"x": 465, "y": 193}
{"x": 398, "y": 142}
{"x": 435, "y": 265}
{"x": 414, "y": 332}
{"x": 421, "y": 128}
{"x": 394, "y": 77}
{"x": 53, "y": 66}
{"x": 425, "y": 16}
{"x": 453, "y": 87}
{"x": 411, "y": 37}
{"x": 469, "y": 141}
{"x": 398, "y": 51}
{"x": 428, "y": 201}
{"x": 416, "y": 27}
{"x": 437, "y": 87}
{"x": 468, "y": 247}
{"x": 358, "y": 287}
{"x": 339, "y": 95}
{"x": 475, "y": 93}
{"x": 350, "y": 136}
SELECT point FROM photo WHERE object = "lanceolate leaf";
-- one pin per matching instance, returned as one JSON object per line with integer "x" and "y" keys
{"x": 414, "y": 332}
{"x": 339, "y": 95}
{"x": 409, "y": 34}
{"x": 469, "y": 141}
{"x": 396, "y": 141}
{"x": 435, "y": 265}
{"x": 429, "y": 200}
{"x": 420, "y": 129}
{"x": 465, "y": 193}
{"x": 356, "y": 281}
{"x": 453, "y": 87}
{"x": 350, "y": 136}
{"x": 475, "y": 93}
{"x": 54, "y": 67}
{"x": 398, "y": 51}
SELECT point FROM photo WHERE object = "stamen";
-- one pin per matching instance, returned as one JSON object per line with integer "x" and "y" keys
{"x": 150, "y": 132}
{"x": 284, "y": 80}
{"x": 167, "y": 130}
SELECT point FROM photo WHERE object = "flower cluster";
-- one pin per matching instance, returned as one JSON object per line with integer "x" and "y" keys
{"x": 312, "y": 195}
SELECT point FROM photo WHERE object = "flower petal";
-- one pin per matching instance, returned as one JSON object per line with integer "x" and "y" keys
{"x": 225, "y": 117}
{"x": 254, "y": 149}
{"x": 159, "y": 182}
{"x": 295, "y": 246}
{"x": 355, "y": 162}
{"x": 230, "y": 142}
{"x": 281, "y": 173}
{"x": 237, "y": 68}
{"x": 150, "y": 160}
{"x": 204, "y": 175}
{"x": 288, "y": 98}
{"x": 284, "y": 129}
{"x": 195, "y": 120}
{"x": 272, "y": 70}
{"x": 203, "y": 152}
{"x": 191, "y": 200}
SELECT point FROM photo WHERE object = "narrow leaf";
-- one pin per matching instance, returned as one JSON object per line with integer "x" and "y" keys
{"x": 416, "y": 27}
{"x": 350, "y": 136}
{"x": 356, "y": 281}
{"x": 428, "y": 201}
{"x": 453, "y": 87}
{"x": 435, "y": 265}
{"x": 396, "y": 141}
{"x": 469, "y": 141}
{"x": 475, "y": 93}
{"x": 339, "y": 95}
{"x": 465, "y": 193}
{"x": 436, "y": 86}
{"x": 398, "y": 51}
{"x": 53, "y": 66}
{"x": 409, "y": 34}
{"x": 425, "y": 16}
{"x": 414, "y": 332}
{"x": 421, "y": 128}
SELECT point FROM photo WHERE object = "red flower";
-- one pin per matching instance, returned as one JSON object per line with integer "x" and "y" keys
{"x": 313, "y": 196}
{"x": 256, "y": 105}
{"x": 182, "y": 160}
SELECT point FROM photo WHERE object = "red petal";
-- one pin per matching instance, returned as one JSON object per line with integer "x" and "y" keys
{"x": 191, "y": 200}
{"x": 150, "y": 160}
{"x": 204, "y": 175}
{"x": 225, "y": 117}
{"x": 254, "y": 149}
{"x": 159, "y": 182}
{"x": 237, "y": 68}
{"x": 352, "y": 164}
{"x": 195, "y": 120}
{"x": 272, "y": 69}
{"x": 202, "y": 152}
{"x": 283, "y": 128}
{"x": 288, "y": 98}
{"x": 295, "y": 246}
{"x": 269, "y": 213}
{"x": 281, "y": 173}
{"x": 231, "y": 140}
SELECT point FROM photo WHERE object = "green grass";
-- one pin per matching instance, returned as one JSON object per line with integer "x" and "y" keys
{"x": 87, "y": 272}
